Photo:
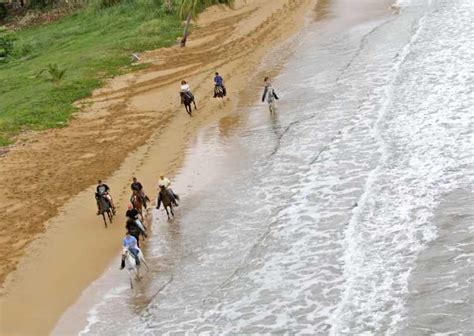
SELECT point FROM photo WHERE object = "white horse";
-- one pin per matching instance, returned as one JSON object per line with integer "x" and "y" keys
{"x": 131, "y": 265}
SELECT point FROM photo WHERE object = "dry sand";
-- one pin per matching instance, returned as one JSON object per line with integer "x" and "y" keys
{"x": 54, "y": 245}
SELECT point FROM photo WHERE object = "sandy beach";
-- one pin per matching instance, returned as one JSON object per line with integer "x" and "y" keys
{"x": 347, "y": 211}
{"x": 55, "y": 246}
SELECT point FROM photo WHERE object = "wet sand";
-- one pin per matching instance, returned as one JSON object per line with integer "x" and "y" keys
{"x": 73, "y": 248}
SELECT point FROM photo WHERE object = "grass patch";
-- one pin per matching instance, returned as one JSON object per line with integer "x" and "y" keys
{"x": 91, "y": 45}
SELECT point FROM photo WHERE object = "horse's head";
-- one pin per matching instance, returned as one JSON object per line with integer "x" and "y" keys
{"x": 136, "y": 201}
{"x": 125, "y": 252}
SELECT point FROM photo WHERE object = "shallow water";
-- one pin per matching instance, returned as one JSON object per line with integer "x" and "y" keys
{"x": 350, "y": 211}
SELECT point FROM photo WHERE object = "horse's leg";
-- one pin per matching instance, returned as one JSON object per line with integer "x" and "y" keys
{"x": 166, "y": 209}
{"x": 130, "y": 278}
{"x": 171, "y": 209}
{"x": 194, "y": 102}
{"x": 105, "y": 221}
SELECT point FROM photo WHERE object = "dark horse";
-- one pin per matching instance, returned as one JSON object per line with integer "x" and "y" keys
{"x": 187, "y": 99}
{"x": 104, "y": 208}
{"x": 135, "y": 230}
{"x": 219, "y": 91}
{"x": 164, "y": 196}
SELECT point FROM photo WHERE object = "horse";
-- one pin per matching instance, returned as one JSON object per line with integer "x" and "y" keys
{"x": 131, "y": 265}
{"x": 105, "y": 208}
{"x": 187, "y": 98}
{"x": 165, "y": 197}
{"x": 136, "y": 229}
{"x": 219, "y": 91}
{"x": 138, "y": 203}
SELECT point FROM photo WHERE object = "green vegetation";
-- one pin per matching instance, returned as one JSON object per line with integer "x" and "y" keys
{"x": 6, "y": 44}
{"x": 44, "y": 69}
{"x": 49, "y": 67}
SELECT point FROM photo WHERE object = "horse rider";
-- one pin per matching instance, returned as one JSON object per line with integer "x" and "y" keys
{"x": 131, "y": 243}
{"x": 185, "y": 90}
{"x": 219, "y": 83}
{"x": 165, "y": 182}
{"x": 160, "y": 199}
{"x": 102, "y": 190}
{"x": 133, "y": 215}
{"x": 137, "y": 186}
{"x": 134, "y": 230}
{"x": 268, "y": 91}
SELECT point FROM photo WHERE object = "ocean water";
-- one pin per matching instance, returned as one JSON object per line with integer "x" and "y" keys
{"x": 348, "y": 212}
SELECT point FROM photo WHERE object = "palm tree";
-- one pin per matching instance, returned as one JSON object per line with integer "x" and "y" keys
{"x": 190, "y": 9}
{"x": 55, "y": 72}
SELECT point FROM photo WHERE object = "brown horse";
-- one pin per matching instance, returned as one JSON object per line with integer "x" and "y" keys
{"x": 165, "y": 197}
{"x": 137, "y": 202}
{"x": 104, "y": 209}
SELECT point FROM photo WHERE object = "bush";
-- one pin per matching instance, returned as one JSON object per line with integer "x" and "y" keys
{"x": 102, "y": 4}
{"x": 6, "y": 44}
{"x": 3, "y": 11}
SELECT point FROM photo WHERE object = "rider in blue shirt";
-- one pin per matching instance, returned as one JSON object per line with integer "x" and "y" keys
{"x": 219, "y": 83}
{"x": 131, "y": 243}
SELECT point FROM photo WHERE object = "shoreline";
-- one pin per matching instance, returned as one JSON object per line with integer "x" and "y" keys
{"x": 57, "y": 266}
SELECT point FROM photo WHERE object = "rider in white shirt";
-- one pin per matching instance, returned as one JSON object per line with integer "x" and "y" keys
{"x": 185, "y": 90}
{"x": 184, "y": 87}
{"x": 165, "y": 182}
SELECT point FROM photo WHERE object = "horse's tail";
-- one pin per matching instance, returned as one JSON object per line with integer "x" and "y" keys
{"x": 143, "y": 261}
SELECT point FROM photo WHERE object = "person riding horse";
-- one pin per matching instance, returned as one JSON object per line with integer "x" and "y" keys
{"x": 219, "y": 85}
{"x": 187, "y": 97}
{"x": 135, "y": 231}
{"x": 165, "y": 182}
{"x": 132, "y": 214}
{"x": 137, "y": 186}
{"x": 131, "y": 243}
{"x": 165, "y": 198}
{"x": 102, "y": 190}
{"x": 185, "y": 90}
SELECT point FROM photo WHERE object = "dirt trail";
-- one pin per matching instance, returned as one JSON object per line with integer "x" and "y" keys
{"x": 59, "y": 167}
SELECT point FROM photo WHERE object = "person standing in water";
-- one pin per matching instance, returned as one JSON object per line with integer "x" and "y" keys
{"x": 269, "y": 94}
